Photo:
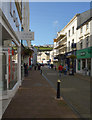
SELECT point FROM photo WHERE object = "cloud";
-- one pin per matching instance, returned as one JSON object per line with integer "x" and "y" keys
{"x": 55, "y": 23}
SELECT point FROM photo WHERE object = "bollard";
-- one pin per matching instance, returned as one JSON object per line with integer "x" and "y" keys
{"x": 58, "y": 89}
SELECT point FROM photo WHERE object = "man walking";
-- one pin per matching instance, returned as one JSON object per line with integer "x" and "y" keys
{"x": 60, "y": 68}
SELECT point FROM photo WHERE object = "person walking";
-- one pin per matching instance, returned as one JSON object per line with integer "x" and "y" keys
{"x": 35, "y": 67}
{"x": 60, "y": 68}
{"x": 55, "y": 67}
{"x": 65, "y": 69}
{"x": 39, "y": 66}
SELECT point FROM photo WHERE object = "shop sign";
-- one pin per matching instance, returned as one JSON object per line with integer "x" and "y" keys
{"x": 69, "y": 54}
{"x": 84, "y": 53}
{"x": 25, "y": 35}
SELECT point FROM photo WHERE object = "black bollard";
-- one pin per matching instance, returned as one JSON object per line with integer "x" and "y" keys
{"x": 58, "y": 89}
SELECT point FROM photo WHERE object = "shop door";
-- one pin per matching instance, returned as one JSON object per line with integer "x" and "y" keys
{"x": 4, "y": 70}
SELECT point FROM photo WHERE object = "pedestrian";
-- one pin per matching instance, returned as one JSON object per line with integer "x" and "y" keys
{"x": 35, "y": 67}
{"x": 39, "y": 66}
{"x": 55, "y": 67}
{"x": 30, "y": 67}
{"x": 60, "y": 68}
{"x": 51, "y": 66}
{"x": 65, "y": 69}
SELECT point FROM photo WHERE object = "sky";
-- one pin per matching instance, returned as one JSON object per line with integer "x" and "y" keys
{"x": 47, "y": 18}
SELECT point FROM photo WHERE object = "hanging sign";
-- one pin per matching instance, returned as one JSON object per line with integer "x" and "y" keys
{"x": 25, "y": 35}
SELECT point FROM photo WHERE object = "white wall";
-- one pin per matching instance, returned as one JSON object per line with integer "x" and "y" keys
{"x": 6, "y": 10}
{"x": 35, "y": 56}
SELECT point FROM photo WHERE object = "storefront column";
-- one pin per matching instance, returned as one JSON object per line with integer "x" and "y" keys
{"x": 76, "y": 65}
{"x": 91, "y": 66}
{"x": 86, "y": 63}
{"x": 19, "y": 64}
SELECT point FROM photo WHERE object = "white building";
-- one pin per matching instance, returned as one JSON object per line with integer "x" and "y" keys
{"x": 63, "y": 43}
{"x": 75, "y": 39}
{"x": 43, "y": 57}
{"x": 34, "y": 56}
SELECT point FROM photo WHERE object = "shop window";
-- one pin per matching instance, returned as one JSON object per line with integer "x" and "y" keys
{"x": 12, "y": 65}
{"x": 4, "y": 71}
{"x": 89, "y": 64}
{"x": 83, "y": 63}
{"x": 78, "y": 64}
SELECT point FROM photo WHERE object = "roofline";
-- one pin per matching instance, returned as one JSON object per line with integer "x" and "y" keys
{"x": 69, "y": 22}
{"x": 88, "y": 20}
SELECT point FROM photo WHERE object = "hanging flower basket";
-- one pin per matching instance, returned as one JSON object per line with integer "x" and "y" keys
{"x": 72, "y": 56}
{"x": 27, "y": 52}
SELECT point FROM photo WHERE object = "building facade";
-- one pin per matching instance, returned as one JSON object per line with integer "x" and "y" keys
{"x": 73, "y": 44}
{"x": 43, "y": 57}
{"x": 84, "y": 45}
{"x": 63, "y": 43}
{"x": 10, "y": 51}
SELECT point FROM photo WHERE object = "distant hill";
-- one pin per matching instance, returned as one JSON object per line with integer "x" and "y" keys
{"x": 42, "y": 48}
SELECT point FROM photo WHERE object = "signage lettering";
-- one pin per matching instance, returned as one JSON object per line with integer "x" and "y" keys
{"x": 83, "y": 53}
{"x": 25, "y": 35}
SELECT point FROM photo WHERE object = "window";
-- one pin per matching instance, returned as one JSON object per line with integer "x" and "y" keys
{"x": 69, "y": 46}
{"x": 87, "y": 41}
{"x": 72, "y": 45}
{"x": 73, "y": 41}
{"x": 66, "y": 34}
{"x": 69, "y": 33}
{"x": 81, "y": 30}
{"x": 87, "y": 26}
{"x": 72, "y": 30}
{"x": 81, "y": 45}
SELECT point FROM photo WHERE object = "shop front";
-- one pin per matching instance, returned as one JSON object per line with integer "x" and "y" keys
{"x": 84, "y": 61}
{"x": 10, "y": 57}
{"x": 69, "y": 59}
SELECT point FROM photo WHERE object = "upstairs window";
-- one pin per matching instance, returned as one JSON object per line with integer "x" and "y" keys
{"x": 81, "y": 45}
{"x": 81, "y": 30}
{"x": 69, "y": 33}
{"x": 73, "y": 30}
{"x": 87, "y": 26}
{"x": 69, "y": 46}
{"x": 87, "y": 41}
{"x": 73, "y": 41}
